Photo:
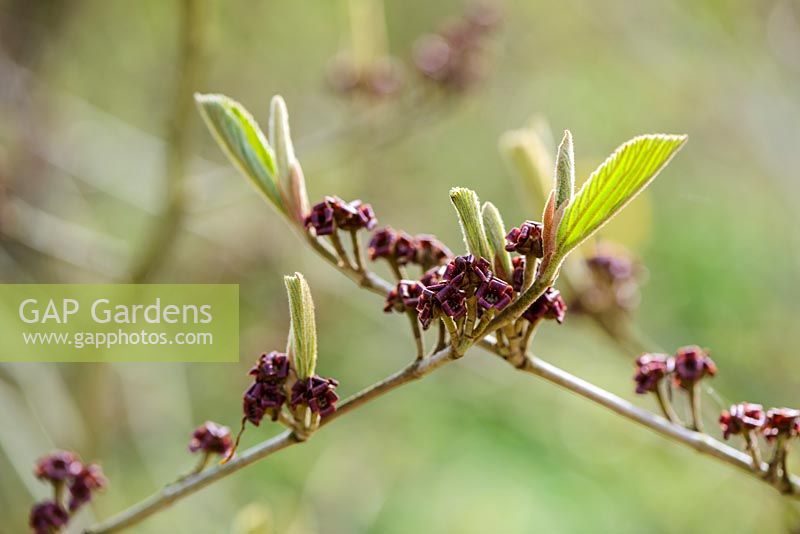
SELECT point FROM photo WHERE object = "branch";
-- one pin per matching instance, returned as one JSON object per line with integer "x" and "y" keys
{"x": 702, "y": 443}
{"x": 177, "y": 490}
{"x": 167, "y": 225}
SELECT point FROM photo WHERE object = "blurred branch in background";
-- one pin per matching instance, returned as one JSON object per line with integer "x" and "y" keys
{"x": 189, "y": 70}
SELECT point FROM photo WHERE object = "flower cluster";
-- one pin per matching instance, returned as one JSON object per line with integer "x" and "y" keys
{"x": 401, "y": 248}
{"x": 613, "y": 281}
{"x": 453, "y": 57}
{"x": 64, "y": 469}
{"x": 267, "y": 393}
{"x": 463, "y": 276}
{"x": 334, "y": 213}
{"x": 689, "y": 365}
{"x": 781, "y": 422}
{"x": 741, "y": 418}
{"x": 381, "y": 78}
{"x": 526, "y": 239}
{"x": 211, "y": 438}
{"x": 316, "y": 392}
{"x": 550, "y": 305}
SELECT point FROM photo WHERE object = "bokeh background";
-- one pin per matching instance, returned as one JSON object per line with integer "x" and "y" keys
{"x": 96, "y": 121}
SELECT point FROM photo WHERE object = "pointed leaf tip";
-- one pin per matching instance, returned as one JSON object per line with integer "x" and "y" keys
{"x": 622, "y": 176}
{"x": 303, "y": 328}
{"x": 565, "y": 170}
{"x": 469, "y": 215}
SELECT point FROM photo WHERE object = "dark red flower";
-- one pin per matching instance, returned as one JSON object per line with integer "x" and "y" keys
{"x": 382, "y": 243}
{"x": 393, "y": 302}
{"x": 692, "y": 364}
{"x": 58, "y": 466}
{"x": 611, "y": 268}
{"x": 453, "y": 57}
{"x": 433, "y": 276}
{"x": 211, "y": 438}
{"x": 467, "y": 271}
{"x": 442, "y": 298}
{"x": 318, "y": 393}
{"x": 333, "y": 213}
{"x": 741, "y": 418}
{"x": 550, "y": 305}
{"x": 451, "y": 299}
{"x": 47, "y": 517}
{"x": 320, "y": 218}
{"x": 430, "y": 251}
{"x": 89, "y": 480}
{"x": 272, "y": 368}
{"x": 262, "y": 399}
{"x": 781, "y": 422}
{"x": 494, "y": 293}
{"x": 650, "y": 370}
{"x": 526, "y": 240}
{"x": 428, "y": 308}
{"x": 405, "y": 249}
{"x": 353, "y": 216}
{"x": 404, "y": 296}
{"x": 518, "y": 276}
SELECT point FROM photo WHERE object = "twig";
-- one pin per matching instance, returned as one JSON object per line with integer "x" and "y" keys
{"x": 171, "y": 493}
{"x": 165, "y": 229}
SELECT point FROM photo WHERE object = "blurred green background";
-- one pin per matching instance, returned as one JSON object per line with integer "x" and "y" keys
{"x": 87, "y": 93}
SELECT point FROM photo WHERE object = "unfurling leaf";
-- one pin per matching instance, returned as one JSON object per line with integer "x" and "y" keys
{"x": 613, "y": 184}
{"x": 565, "y": 171}
{"x": 297, "y": 191}
{"x": 469, "y": 215}
{"x": 529, "y": 157}
{"x": 303, "y": 329}
{"x": 496, "y": 235}
{"x": 239, "y": 136}
{"x": 280, "y": 139}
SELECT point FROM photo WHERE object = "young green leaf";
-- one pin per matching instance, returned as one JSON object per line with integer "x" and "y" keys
{"x": 565, "y": 170}
{"x": 496, "y": 235}
{"x": 528, "y": 158}
{"x": 240, "y": 138}
{"x": 280, "y": 138}
{"x": 613, "y": 184}
{"x": 303, "y": 329}
{"x": 469, "y": 215}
